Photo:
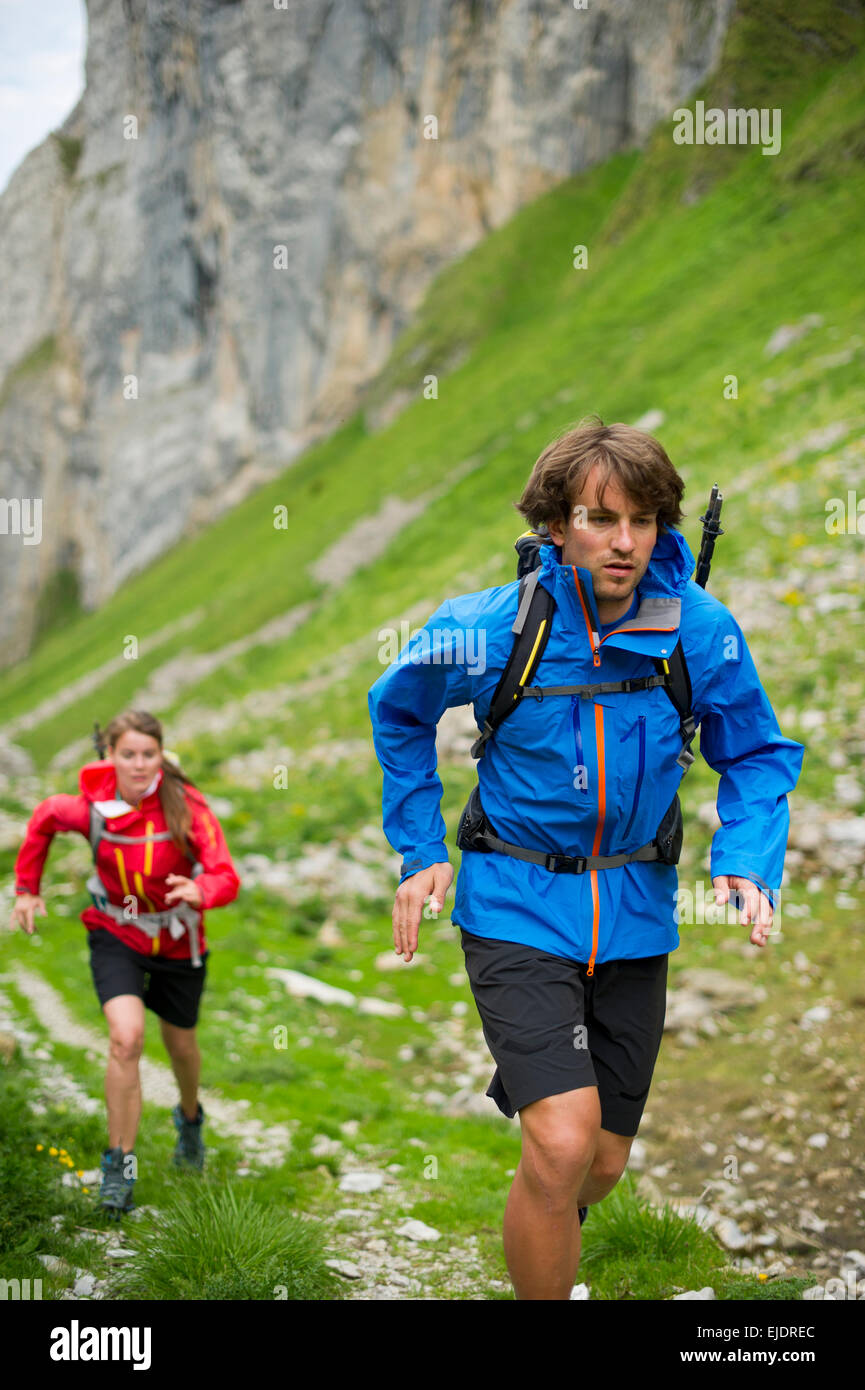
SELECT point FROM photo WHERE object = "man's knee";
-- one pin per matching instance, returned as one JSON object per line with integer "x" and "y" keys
{"x": 560, "y": 1135}
{"x": 611, "y": 1157}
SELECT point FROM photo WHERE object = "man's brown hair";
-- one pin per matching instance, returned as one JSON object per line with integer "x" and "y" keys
{"x": 636, "y": 461}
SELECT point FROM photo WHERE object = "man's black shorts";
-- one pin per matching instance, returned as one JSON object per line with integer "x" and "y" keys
{"x": 171, "y": 988}
{"x": 551, "y": 1028}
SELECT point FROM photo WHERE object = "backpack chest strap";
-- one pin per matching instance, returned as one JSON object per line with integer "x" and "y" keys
{"x": 587, "y": 691}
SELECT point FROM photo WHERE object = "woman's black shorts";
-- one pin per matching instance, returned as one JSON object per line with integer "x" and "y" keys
{"x": 171, "y": 988}
{"x": 551, "y": 1028}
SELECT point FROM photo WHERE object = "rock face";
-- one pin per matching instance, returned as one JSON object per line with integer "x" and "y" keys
{"x": 161, "y": 355}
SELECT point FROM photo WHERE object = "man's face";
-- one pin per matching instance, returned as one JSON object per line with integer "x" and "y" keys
{"x": 614, "y": 543}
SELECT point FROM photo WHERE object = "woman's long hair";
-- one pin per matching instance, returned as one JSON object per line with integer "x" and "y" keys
{"x": 172, "y": 788}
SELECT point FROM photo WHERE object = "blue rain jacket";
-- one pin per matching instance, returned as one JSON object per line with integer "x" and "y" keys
{"x": 585, "y": 776}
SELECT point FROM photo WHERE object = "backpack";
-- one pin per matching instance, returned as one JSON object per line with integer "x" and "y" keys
{"x": 531, "y": 630}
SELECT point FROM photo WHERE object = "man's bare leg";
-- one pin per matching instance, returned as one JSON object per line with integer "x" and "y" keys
{"x": 125, "y": 1015}
{"x": 541, "y": 1225}
{"x": 567, "y": 1161}
{"x": 611, "y": 1160}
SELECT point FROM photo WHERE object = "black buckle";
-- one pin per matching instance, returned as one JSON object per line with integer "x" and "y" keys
{"x": 564, "y": 864}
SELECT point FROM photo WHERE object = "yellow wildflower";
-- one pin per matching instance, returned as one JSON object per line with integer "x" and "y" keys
{"x": 53, "y": 1152}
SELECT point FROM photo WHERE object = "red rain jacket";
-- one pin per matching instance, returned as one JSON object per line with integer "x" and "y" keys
{"x": 139, "y": 870}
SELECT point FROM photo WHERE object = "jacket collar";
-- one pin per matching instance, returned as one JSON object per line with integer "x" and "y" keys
{"x": 653, "y": 630}
{"x": 98, "y": 783}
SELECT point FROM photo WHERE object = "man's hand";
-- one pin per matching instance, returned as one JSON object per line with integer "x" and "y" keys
{"x": 24, "y": 911}
{"x": 185, "y": 890}
{"x": 411, "y": 895}
{"x": 757, "y": 907}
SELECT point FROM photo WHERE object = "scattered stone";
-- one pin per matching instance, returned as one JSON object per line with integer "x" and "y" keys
{"x": 323, "y": 1146}
{"x": 790, "y": 333}
{"x": 418, "y": 1230}
{"x": 84, "y": 1286}
{"x": 361, "y": 1182}
{"x": 346, "y": 1268}
{"x": 580, "y": 1292}
{"x": 307, "y": 987}
{"x": 385, "y": 1008}
{"x": 706, "y": 1294}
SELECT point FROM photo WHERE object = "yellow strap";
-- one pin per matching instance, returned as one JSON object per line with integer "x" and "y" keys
{"x": 121, "y": 869}
{"x": 139, "y": 884}
{"x": 532, "y": 652}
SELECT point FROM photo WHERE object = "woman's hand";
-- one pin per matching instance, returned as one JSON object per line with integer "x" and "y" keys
{"x": 185, "y": 890}
{"x": 24, "y": 911}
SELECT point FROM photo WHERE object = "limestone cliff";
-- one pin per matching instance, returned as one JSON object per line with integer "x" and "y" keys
{"x": 160, "y": 355}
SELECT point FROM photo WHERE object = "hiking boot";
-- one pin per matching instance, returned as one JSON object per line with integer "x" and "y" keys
{"x": 115, "y": 1194}
{"x": 582, "y": 1212}
{"x": 189, "y": 1152}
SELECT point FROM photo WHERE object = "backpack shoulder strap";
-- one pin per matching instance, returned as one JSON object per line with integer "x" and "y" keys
{"x": 678, "y": 688}
{"x": 531, "y": 629}
{"x": 96, "y": 827}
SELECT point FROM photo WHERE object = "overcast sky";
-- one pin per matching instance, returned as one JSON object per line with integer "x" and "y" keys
{"x": 42, "y": 46}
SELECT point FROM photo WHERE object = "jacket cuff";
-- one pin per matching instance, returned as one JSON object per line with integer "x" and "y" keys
{"x": 419, "y": 859}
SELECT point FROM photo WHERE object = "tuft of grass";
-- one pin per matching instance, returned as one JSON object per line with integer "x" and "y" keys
{"x": 69, "y": 151}
{"x": 634, "y": 1250}
{"x": 215, "y": 1243}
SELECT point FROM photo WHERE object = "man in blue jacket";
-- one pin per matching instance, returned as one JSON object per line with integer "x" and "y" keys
{"x": 569, "y": 969}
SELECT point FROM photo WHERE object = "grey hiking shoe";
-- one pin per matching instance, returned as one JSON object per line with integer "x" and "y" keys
{"x": 189, "y": 1151}
{"x": 115, "y": 1194}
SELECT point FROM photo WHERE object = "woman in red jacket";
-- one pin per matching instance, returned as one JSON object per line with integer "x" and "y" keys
{"x": 160, "y": 859}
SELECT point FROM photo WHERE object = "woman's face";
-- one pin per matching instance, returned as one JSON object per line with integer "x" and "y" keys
{"x": 137, "y": 757}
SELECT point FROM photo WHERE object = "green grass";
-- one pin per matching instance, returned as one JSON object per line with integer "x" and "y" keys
{"x": 215, "y": 1242}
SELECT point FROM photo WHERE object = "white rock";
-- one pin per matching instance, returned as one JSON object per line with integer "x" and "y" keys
{"x": 817, "y": 1141}
{"x": 705, "y": 1294}
{"x": 385, "y": 1008}
{"x": 306, "y": 986}
{"x": 580, "y": 1292}
{"x": 118, "y": 1252}
{"x": 818, "y": 1014}
{"x": 418, "y": 1230}
{"x": 346, "y": 1268}
{"x": 731, "y": 1235}
{"x": 84, "y": 1286}
{"x": 323, "y": 1146}
{"x": 361, "y": 1182}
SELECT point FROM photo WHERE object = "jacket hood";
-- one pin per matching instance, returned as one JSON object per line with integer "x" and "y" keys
{"x": 98, "y": 782}
{"x": 669, "y": 569}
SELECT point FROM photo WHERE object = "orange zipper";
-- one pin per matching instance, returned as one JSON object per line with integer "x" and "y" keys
{"x": 596, "y": 643}
{"x": 599, "y": 830}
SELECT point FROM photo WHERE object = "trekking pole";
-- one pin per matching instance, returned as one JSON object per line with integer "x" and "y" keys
{"x": 711, "y": 531}
{"x": 98, "y": 740}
